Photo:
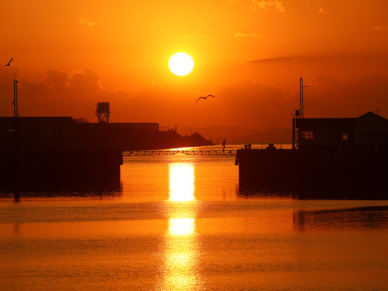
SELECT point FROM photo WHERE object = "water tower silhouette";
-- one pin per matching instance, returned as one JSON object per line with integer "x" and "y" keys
{"x": 102, "y": 112}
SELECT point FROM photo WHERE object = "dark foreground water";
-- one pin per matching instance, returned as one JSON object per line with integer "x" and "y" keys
{"x": 180, "y": 223}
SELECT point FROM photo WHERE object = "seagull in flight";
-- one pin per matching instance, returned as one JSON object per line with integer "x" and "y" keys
{"x": 9, "y": 63}
{"x": 205, "y": 97}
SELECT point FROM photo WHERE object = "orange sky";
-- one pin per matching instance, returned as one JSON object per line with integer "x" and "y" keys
{"x": 69, "y": 55}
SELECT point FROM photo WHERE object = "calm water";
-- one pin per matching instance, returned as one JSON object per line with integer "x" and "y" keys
{"x": 180, "y": 223}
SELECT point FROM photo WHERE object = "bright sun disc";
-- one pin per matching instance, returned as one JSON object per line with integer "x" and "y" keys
{"x": 181, "y": 64}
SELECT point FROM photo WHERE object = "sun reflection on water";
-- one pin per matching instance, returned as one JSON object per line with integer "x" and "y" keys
{"x": 181, "y": 182}
{"x": 181, "y": 244}
{"x": 181, "y": 256}
{"x": 181, "y": 227}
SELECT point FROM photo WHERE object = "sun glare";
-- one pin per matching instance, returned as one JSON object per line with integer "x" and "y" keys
{"x": 181, "y": 64}
{"x": 181, "y": 182}
{"x": 181, "y": 226}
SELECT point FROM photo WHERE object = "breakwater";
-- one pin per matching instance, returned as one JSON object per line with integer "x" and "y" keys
{"x": 60, "y": 170}
{"x": 331, "y": 173}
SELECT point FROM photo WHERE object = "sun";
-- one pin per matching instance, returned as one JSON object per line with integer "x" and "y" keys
{"x": 181, "y": 64}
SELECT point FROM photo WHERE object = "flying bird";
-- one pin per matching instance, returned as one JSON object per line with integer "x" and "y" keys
{"x": 9, "y": 63}
{"x": 205, "y": 97}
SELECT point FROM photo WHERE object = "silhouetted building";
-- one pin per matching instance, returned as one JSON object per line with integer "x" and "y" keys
{"x": 65, "y": 133}
{"x": 39, "y": 133}
{"x": 337, "y": 158}
{"x": 369, "y": 131}
{"x": 121, "y": 136}
{"x": 52, "y": 133}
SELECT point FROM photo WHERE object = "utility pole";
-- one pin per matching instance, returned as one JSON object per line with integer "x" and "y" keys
{"x": 16, "y": 116}
{"x": 16, "y": 131}
{"x": 299, "y": 114}
{"x": 15, "y": 104}
{"x": 301, "y": 109}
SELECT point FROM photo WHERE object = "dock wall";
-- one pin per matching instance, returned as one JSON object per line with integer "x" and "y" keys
{"x": 331, "y": 173}
{"x": 81, "y": 169}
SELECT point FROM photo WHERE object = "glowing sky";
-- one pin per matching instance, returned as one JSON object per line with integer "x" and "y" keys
{"x": 69, "y": 55}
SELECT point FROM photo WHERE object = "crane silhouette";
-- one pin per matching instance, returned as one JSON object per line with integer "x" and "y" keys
{"x": 205, "y": 97}
{"x": 9, "y": 63}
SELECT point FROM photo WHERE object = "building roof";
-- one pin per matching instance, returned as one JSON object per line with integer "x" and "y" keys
{"x": 333, "y": 123}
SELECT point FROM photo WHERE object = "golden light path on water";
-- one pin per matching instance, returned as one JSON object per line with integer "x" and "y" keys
{"x": 181, "y": 177}
{"x": 181, "y": 249}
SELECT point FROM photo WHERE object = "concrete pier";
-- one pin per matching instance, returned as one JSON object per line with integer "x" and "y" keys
{"x": 331, "y": 173}
{"x": 61, "y": 170}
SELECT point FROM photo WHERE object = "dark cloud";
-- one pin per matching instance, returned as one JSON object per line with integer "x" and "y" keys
{"x": 255, "y": 105}
{"x": 61, "y": 93}
{"x": 330, "y": 96}
{"x": 85, "y": 82}
{"x": 7, "y": 77}
{"x": 241, "y": 103}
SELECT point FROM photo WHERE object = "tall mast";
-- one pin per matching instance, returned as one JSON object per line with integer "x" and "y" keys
{"x": 301, "y": 110}
{"x": 15, "y": 99}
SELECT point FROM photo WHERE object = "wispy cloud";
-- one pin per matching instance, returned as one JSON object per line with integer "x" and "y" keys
{"x": 262, "y": 4}
{"x": 86, "y": 22}
{"x": 320, "y": 10}
{"x": 253, "y": 61}
{"x": 382, "y": 27}
{"x": 238, "y": 34}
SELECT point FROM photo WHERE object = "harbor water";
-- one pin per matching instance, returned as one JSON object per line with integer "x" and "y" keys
{"x": 180, "y": 222}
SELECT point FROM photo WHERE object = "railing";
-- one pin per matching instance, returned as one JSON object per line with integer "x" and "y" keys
{"x": 183, "y": 152}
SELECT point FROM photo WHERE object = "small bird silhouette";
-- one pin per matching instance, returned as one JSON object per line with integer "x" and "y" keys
{"x": 9, "y": 63}
{"x": 205, "y": 97}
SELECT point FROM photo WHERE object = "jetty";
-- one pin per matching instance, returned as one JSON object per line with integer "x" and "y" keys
{"x": 182, "y": 152}
{"x": 335, "y": 158}
{"x": 65, "y": 153}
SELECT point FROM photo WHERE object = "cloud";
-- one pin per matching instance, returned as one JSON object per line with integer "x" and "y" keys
{"x": 76, "y": 94}
{"x": 266, "y": 60}
{"x": 267, "y": 4}
{"x": 61, "y": 93}
{"x": 7, "y": 77}
{"x": 85, "y": 81}
{"x": 253, "y": 105}
{"x": 328, "y": 96}
{"x": 382, "y": 27}
{"x": 321, "y": 10}
{"x": 238, "y": 34}
{"x": 240, "y": 103}
{"x": 86, "y": 22}
{"x": 244, "y": 93}
{"x": 256, "y": 4}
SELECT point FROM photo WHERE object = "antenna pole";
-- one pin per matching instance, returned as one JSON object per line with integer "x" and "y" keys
{"x": 301, "y": 110}
{"x": 16, "y": 114}
{"x": 16, "y": 133}
{"x": 15, "y": 99}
